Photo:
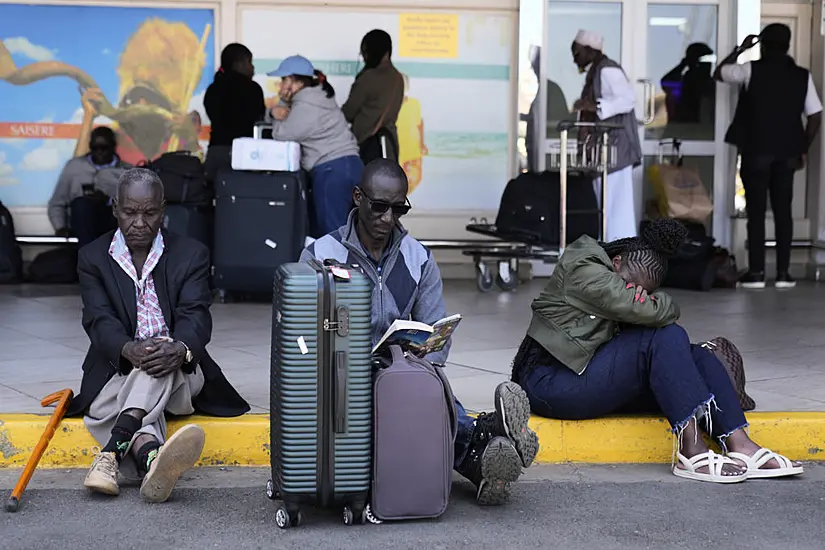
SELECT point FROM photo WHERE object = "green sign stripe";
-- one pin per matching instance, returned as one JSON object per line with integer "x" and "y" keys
{"x": 413, "y": 69}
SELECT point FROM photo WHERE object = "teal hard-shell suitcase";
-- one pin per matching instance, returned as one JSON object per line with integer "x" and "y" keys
{"x": 320, "y": 391}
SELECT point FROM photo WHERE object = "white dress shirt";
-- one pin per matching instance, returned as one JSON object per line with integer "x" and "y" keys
{"x": 618, "y": 96}
{"x": 741, "y": 74}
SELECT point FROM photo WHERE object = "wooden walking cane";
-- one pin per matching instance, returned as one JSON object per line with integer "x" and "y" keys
{"x": 62, "y": 398}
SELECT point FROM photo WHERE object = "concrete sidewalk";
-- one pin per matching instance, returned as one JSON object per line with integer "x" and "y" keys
{"x": 779, "y": 333}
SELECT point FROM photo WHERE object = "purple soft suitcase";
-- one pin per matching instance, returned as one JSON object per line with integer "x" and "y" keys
{"x": 415, "y": 426}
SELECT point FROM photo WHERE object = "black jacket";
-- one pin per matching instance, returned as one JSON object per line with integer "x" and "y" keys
{"x": 768, "y": 116}
{"x": 234, "y": 103}
{"x": 110, "y": 319}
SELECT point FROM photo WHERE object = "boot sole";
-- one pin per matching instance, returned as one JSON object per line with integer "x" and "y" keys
{"x": 513, "y": 408}
{"x": 176, "y": 456}
{"x": 500, "y": 466}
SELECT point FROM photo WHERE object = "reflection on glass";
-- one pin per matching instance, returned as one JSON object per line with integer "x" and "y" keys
{"x": 703, "y": 165}
{"x": 529, "y": 64}
{"x": 564, "y": 82}
{"x": 681, "y": 48}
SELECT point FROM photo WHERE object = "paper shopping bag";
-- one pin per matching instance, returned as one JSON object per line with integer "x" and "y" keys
{"x": 680, "y": 193}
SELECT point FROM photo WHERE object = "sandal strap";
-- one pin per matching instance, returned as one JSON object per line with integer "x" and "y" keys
{"x": 764, "y": 455}
{"x": 713, "y": 461}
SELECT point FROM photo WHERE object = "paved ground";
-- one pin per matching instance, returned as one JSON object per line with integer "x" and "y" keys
{"x": 557, "y": 507}
{"x": 780, "y": 334}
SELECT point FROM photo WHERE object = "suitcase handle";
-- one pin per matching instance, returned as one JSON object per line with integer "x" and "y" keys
{"x": 339, "y": 421}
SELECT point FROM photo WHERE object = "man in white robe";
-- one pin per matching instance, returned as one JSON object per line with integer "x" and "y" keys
{"x": 608, "y": 96}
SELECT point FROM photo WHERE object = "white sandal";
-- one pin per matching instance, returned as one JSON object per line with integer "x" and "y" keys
{"x": 762, "y": 457}
{"x": 714, "y": 463}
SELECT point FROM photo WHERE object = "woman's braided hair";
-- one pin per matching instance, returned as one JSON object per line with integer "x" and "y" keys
{"x": 646, "y": 256}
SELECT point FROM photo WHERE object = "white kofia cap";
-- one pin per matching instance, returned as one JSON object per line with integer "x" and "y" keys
{"x": 591, "y": 39}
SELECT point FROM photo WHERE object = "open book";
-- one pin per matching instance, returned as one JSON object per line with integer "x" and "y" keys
{"x": 420, "y": 339}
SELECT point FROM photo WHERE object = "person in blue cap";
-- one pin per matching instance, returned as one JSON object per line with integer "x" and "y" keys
{"x": 309, "y": 115}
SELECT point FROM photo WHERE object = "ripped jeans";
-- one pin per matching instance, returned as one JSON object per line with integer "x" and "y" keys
{"x": 640, "y": 370}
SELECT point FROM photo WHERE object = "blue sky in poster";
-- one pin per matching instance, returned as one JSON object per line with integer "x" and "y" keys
{"x": 88, "y": 37}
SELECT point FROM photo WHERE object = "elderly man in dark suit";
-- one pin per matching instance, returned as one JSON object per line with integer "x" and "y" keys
{"x": 146, "y": 302}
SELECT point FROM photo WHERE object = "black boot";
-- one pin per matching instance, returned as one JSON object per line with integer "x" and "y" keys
{"x": 491, "y": 466}
{"x": 511, "y": 421}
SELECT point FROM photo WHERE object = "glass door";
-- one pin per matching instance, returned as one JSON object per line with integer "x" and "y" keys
{"x": 668, "y": 50}
{"x": 683, "y": 39}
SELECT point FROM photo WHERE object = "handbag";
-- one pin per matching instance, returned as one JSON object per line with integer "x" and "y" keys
{"x": 731, "y": 359}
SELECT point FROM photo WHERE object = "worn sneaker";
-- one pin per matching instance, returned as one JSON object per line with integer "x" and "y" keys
{"x": 753, "y": 280}
{"x": 102, "y": 476}
{"x": 492, "y": 467}
{"x": 511, "y": 421}
{"x": 170, "y": 461}
{"x": 784, "y": 280}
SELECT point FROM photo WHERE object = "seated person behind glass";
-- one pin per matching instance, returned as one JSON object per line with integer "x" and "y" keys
{"x": 81, "y": 202}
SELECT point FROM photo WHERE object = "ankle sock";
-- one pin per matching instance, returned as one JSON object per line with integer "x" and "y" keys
{"x": 143, "y": 455}
{"x": 122, "y": 434}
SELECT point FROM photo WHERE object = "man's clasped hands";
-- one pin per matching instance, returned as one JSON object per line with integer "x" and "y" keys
{"x": 157, "y": 357}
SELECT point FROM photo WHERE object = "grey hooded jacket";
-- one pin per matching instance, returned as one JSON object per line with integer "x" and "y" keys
{"x": 406, "y": 282}
{"x": 317, "y": 123}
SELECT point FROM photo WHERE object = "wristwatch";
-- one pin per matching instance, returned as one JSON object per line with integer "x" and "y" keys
{"x": 188, "y": 357}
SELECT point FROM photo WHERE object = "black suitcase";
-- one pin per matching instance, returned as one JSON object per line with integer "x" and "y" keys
{"x": 530, "y": 209}
{"x": 321, "y": 391}
{"x": 260, "y": 223}
{"x": 190, "y": 221}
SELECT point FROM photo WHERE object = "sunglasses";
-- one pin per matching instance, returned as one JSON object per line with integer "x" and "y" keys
{"x": 380, "y": 207}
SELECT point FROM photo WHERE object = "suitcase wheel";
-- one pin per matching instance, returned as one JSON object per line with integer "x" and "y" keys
{"x": 271, "y": 493}
{"x": 285, "y": 520}
{"x": 370, "y": 518}
{"x": 353, "y": 517}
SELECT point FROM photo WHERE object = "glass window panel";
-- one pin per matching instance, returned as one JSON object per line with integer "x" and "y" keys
{"x": 531, "y": 32}
{"x": 681, "y": 57}
{"x": 564, "y": 19}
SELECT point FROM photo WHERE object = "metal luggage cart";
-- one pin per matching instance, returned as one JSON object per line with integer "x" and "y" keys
{"x": 592, "y": 155}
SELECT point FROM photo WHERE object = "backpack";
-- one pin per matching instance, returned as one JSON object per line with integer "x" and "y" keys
{"x": 414, "y": 430}
{"x": 183, "y": 176}
{"x": 11, "y": 257}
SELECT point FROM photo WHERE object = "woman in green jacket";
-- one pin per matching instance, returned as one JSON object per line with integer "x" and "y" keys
{"x": 602, "y": 338}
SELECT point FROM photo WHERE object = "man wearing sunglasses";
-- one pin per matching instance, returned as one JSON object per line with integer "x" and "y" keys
{"x": 81, "y": 204}
{"x": 491, "y": 450}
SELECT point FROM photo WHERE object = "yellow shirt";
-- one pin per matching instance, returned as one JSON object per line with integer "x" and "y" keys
{"x": 409, "y": 138}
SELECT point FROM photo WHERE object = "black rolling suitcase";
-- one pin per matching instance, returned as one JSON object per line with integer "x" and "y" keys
{"x": 260, "y": 223}
{"x": 320, "y": 391}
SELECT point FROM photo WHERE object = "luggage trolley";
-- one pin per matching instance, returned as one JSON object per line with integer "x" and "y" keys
{"x": 592, "y": 157}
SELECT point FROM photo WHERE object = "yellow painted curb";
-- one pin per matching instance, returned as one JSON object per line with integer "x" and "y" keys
{"x": 244, "y": 441}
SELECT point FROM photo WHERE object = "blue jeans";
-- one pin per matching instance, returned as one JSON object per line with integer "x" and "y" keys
{"x": 466, "y": 425}
{"x": 89, "y": 218}
{"x": 659, "y": 368}
{"x": 332, "y": 185}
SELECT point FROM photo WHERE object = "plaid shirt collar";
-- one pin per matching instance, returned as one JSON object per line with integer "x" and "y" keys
{"x": 120, "y": 253}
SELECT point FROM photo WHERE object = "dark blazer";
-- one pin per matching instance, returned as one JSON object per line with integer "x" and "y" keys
{"x": 110, "y": 319}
